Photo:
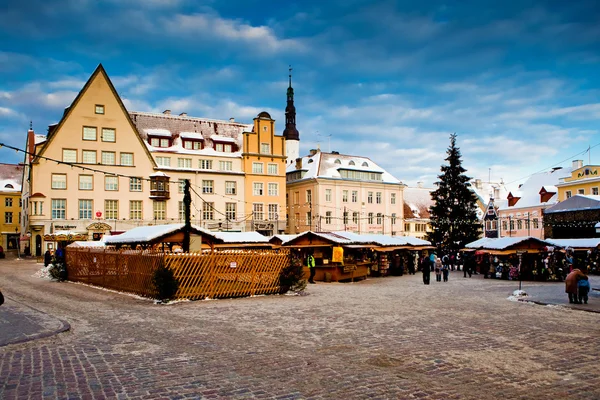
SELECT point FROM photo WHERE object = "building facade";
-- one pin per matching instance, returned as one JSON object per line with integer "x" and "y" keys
{"x": 417, "y": 202}
{"x": 583, "y": 179}
{"x": 337, "y": 192}
{"x": 103, "y": 170}
{"x": 11, "y": 176}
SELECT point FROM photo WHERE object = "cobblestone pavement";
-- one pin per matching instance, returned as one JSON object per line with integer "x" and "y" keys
{"x": 390, "y": 338}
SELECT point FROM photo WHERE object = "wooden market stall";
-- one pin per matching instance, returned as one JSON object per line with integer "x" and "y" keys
{"x": 336, "y": 258}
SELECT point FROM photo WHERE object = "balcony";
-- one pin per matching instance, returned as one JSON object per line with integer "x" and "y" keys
{"x": 159, "y": 186}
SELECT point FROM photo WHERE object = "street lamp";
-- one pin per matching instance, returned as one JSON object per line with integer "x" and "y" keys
{"x": 18, "y": 243}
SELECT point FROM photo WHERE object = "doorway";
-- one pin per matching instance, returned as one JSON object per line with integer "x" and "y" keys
{"x": 38, "y": 245}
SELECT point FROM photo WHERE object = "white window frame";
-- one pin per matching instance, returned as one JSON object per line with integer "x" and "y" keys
{"x": 159, "y": 210}
{"x": 231, "y": 188}
{"x": 273, "y": 189}
{"x": 87, "y": 157}
{"x": 273, "y": 212}
{"x": 111, "y": 209}
{"x": 135, "y": 213}
{"x": 328, "y": 195}
{"x": 135, "y": 184}
{"x": 258, "y": 188}
{"x": 265, "y": 148}
{"x": 84, "y": 184}
{"x": 126, "y": 159}
{"x": 111, "y": 183}
{"x": 86, "y": 208}
{"x": 208, "y": 186}
{"x": 272, "y": 169}
{"x": 59, "y": 182}
{"x": 204, "y": 164}
{"x": 69, "y": 155}
{"x": 257, "y": 168}
{"x": 90, "y": 133}
{"x": 258, "y": 210}
{"x": 226, "y": 165}
{"x": 184, "y": 163}
{"x": 109, "y": 135}
{"x": 109, "y": 157}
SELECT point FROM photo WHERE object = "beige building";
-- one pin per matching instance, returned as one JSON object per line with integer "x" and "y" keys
{"x": 104, "y": 170}
{"x": 10, "y": 205}
{"x": 337, "y": 192}
{"x": 417, "y": 201}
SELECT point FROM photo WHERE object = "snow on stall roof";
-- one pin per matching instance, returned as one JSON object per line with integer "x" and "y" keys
{"x": 586, "y": 243}
{"x": 283, "y": 238}
{"x": 331, "y": 236}
{"x": 241, "y": 237}
{"x": 384, "y": 240}
{"x": 501, "y": 243}
{"x": 91, "y": 243}
{"x": 144, "y": 233}
{"x": 191, "y": 135}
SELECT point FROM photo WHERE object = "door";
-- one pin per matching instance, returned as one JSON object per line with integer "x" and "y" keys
{"x": 38, "y": 245}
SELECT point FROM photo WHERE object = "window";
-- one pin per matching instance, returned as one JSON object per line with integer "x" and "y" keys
{"x": 379, "y": 218}
{"x": 309, "y": 219}
{"x": 192, "y": 145}
{"x": 272, "y": 169}
{"x": 89, "y": 157}
{"x": 328, "y": 217}
{"x": 208, "y": 186}
{"x": 257, "y": 188}
{"x": 393, "y": 218}
{"x": 407, "y": 227}
{"x": 111, "y": 183}
{"x": 184, "y": 163}
{"x": 135, "y": 184}
{"x": 205, "y": 164}
{"x": 296, "y": 197}
{"x": 345, "y": 217}
{"x": 109, "y": 135}
{"x": 378, "y": 197}
{"x": 344, "y": 196}
{"x": 8, "y": 202}
{"x": 355, "y": 196}
{"x": 155, "y": 142}
{"x": 351, "y": 163}
{"x": 111, "y": 209}
{"x": 226, "y": 165}
{"x": 526, "y": 223}
{"x": 127, "y": 159}
{"x": 135, "y": 209}
{"x": 257, "y": 209}
{"x": 580, "y": 191}
{"x": 86, "y": 182}
{"x": 327, "y": 194}
{"x": 181, "y": 210}
{"x": 370, "y": 197}
{"x": 59, "y": 209}
{"x": 360, "y": 175}
{"x": 108, "y": 157}
{"x": 257, "y": 168}
{"x": 536, "y": 224}
{"x": 568, "y": 194}
{"x": 519, "y": 224}
{"x": 8, "y": 217}
{"x": 227, "y": 148}
{"x": 595, "y": 191}
{"x": 208, "y": 211}
{"x": 392, "y": 198}
{"x": 160, "y": 210}
{"x": 90, "y": 133}
{"x": 504, "y": 225}
{"x": 365, "y": 164}
{"x": 337, "y": 161}
{"x": 164, "y": 143}
{"x": 265, "y": 148}
{"x": 309, "y": 196}
{"x": 355, "y": 217}
{"x": 69, "y": 155}
{"x": 512, "y": 225}
{"x": 99, "y": 109}
{"x": 230, "y": 187}
{"x": 219, "y": 147}
{"x": 163, "y": 161}
{"x": 273, "y": 215}
{"x": 59, "y": 181}
{"x": 273, "y": 189}
{"x": 230, "y": 211}
{"x": 181, "y": 186}
{"x": 370, "y": 219}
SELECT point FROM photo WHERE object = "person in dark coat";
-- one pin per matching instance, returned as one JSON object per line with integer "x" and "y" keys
{"x": 426, "y": 269}
{"x": 47, "y": 258}
{"x": 571, "y": 284}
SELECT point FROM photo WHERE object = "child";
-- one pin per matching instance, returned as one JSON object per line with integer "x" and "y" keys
{"x": 583, "y": 288}
{"x": 438, "y": 269}
{"x": 445, "y": 271}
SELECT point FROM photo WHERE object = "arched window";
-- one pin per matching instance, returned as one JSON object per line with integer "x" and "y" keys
{"x": 9, "y": 186}
{"x": 310, "y": 160}
{"x": 351, "y": 162}
{"x": 337, "y": 161}
{"x": 365, "y": 164}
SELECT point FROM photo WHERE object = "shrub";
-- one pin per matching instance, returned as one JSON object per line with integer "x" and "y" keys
{"x": 165, "y": 282}
{"x": 292, "y": 276}
{"x": 58, "y": 270}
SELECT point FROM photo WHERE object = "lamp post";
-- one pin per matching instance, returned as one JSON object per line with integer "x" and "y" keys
{"x": 18, "y": 243}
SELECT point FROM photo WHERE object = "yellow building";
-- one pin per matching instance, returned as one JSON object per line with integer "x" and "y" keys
{"x": 264, "y": 166}
{"x": 584, "y": 179}
{"x": 10, "y": 205}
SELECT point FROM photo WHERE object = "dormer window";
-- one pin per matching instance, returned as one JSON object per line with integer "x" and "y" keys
{"x": 9, "y": 186}
{"x": 351, "y": 162}
{"x": 365, "y": 164}
{"x": 192, "y": 144}
{"x": 159, "y": 137}
{"x": 223, "y": 144}
{"x": 159, "y": 142}
{"x": 192, "y": 140}
{"x": 337, "y": 161}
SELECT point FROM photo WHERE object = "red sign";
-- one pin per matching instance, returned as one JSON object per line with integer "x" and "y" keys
{"x": 98, "y": 214}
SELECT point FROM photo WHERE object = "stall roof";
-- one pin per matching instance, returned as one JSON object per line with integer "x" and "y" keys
{"x": 503, "y": 243}
{"x": 240, "y": 237}
{"x": 282, "y": 238}
{"x": 90, "y": 244}
{"x": 589, "y": 243}
{"x": 384, "y": 240}
{"x": 153, "y": 233}
{"x": 329, "y": 236}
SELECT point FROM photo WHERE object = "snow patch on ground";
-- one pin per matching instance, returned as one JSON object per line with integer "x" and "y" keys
{"x": 43, "y": 273}
{"x": 517, "y": 295}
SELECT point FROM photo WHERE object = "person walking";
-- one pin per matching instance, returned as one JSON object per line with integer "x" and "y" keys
{"x": 445, "y": 272}
{"x": 47, "y": 258}
{"x": 310, "y": 262}
{"x": 583, "y": 288}
{"x": 438, "y": 269}
{"x": 571, "y": 284}
{"x": 424, "y": 263}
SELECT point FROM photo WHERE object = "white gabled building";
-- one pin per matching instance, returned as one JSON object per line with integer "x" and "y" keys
{"x": 339, "y": 192}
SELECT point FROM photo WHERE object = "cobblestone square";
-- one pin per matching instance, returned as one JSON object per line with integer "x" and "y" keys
{"x": 383, "y": 338}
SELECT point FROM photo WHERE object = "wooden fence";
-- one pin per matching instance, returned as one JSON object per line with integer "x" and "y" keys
{"x": 218, "y": 274}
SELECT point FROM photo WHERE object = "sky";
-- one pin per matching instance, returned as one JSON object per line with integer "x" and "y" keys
{"x": 517, "y": 81}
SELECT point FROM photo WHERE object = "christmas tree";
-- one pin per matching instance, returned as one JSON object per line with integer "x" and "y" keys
{"x": 453, "y": 216}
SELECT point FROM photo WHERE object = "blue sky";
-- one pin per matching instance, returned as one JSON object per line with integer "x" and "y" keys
{"x": 518, "y": 81}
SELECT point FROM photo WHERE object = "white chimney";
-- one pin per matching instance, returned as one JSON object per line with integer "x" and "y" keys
{"x": 183, "y": 114}
{"x": 232, "y": 119}
{"x": 577, "y": 164}
{"x": 419, "y": 184}
{"x": 167, "y": 112}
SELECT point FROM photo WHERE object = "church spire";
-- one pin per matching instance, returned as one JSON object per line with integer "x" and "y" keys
{"x": 290, "y": 132}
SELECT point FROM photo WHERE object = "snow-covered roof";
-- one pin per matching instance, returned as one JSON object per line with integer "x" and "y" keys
{"x": 11, "y": 176}
{"x": 330, "y": 236}
{"x": 218, "y": 138}
{"x": 283, "y": 238}
{"x": 327, "y": 165}
{"x": 158, "y": 132}
{"x": 588, "y": 243}
{"x": 383, "y": 240}
{"x": 191, "y": 135}
{"x": 502, "y": 243}
{"x": 159, "y": 173}
{"x": 37, "y": 139}
{"x": 418, "y": 200}
{"x": 91, "y": 243}
{"x": 142, "y": 234}
{"x": 486, "y": 190}
{"x": 240, "y": 237}
{"x": 575, "y": 203}
{"x": 529, "y": 192}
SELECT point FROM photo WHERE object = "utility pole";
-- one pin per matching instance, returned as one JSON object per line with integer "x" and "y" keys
{"x": 528, "y": 226}
{"x": 344, "y": 218}
{"x": 187, "y": 203}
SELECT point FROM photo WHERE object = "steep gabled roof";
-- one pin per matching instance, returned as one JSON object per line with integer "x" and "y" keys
{"x": 576, "y": 203}
{"x": 69, "y": 110}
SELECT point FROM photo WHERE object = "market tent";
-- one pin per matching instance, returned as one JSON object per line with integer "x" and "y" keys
{"x": 576, "y": 244}
{"x": 65, "y": 236}
{"x": 88, "y": 244}
{"x": 508, "y": 245}
{"x": 278, "y": 240}
{"x": 310, "y": 239}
